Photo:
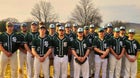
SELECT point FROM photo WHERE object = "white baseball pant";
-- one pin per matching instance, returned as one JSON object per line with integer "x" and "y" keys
{"x": 91, "y": 63}
{"x": 22, "y": 58}
{"x": 84, "y": 69}
{"x": 13, "y": 64}
{"x": 60, "y": 66}
{"x": 130, "y": 68}
{"x": 114, "y": 67}
{"x": 123, "y": 66}
{"x": 30, "y": 61}
{"x": 72, "y": 67}
{"x": 44, "y": 65}
{"x": 100, "y": 63}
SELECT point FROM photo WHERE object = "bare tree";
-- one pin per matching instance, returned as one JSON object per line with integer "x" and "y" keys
{"x": 43, "y": 11}
{"x": 85, "y": 13}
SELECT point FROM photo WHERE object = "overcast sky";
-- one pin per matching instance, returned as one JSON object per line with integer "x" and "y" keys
{"x": 125, "y": 10}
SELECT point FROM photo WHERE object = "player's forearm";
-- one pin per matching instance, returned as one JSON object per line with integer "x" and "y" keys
{"x": 35, "y": 53}
{"x": 98, "y": 50}
{"x": 74, "y": 53}
{"x": 113, "y": 52}
{"x": 87, "y": 53}
{"x": 122, "y": 53}
{"x": 27, "y": 48}
{"x": 2, "y": 49}
{"x": 48, "y": 53}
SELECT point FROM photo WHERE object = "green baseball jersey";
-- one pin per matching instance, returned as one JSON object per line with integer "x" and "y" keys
{"x": 108, "y": 35}
{"x": 10, "y": 42}
{"x": 42, "y": 45}
{"x": 89, "y": 37}
{"x": 80, "y": 46}
{"x": 124, "y": 37}
{"x": 94, "y": 34}
{"x": 29, "y": 37}
{"x": 116, "y": 44}
{"x": 132, "y": 46}
{"x": 101, "y": 44}
{"x": 71, "y": 36}
{"x": 22, "y": 39}
{"x": 61, "y": 46}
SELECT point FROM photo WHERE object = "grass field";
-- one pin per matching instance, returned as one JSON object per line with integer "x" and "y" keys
{"x": 137, "y": 36}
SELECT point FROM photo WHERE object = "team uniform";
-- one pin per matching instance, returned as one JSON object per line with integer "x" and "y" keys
{"x": 91, "y": 37}
{"x": 99, "y": 62}
{"x": 61, "y": 47}
{"x": 81, "y": 47}
{"x": 131, "y": 47}
{"x": 41, "y": 46}
{"x": 28, "y": 40}
{"x": 10, "y": 42}
{"x": 22, "y": 57}
{"x": 117, "y": 45}
{"x": 123, "y": 59}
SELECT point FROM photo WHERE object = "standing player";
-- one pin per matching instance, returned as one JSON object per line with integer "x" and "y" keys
{"x": 22, "y": 57}
{"x": 101, "y": 48}
{"x": 93, "y": 35}
{"x": 28, "y": 43}
{"x": 123, "y": 35}
{"x": 71, "y": 36}
{"x": 41, "y": 48}
{"x": 80, "y": 50}
{"x": 51, "y": 35}
{"x": 61, "y": 46}
{"x": 132, "y": 46}
{"x": 117, "y": 51}
{"x": 9, "y": 43}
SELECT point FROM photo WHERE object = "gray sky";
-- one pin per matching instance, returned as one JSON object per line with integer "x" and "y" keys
{"x": 125, "y": 10}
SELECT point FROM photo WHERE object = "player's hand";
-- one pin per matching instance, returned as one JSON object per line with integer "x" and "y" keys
{"x": 79, "y": 58}
{"x": 133, "y": 59}
{"x": 8, "y": 54}
{"x": 102, "y": 56}
{"x": 42, "y": 59}
{"x": 82, "y": 59}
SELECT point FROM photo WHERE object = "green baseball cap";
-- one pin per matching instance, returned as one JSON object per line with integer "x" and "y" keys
{"x": 116, "y": 29}
{"x": 80, "y": 30}
{"x": 86, "y": 27}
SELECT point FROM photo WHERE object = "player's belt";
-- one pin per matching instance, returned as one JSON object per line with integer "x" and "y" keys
{"x": 61, "y": 56}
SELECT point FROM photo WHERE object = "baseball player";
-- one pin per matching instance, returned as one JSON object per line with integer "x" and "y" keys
{"x": 101, "y": 48}
{"x": 80, "y": 50}
{"x": 74, "y": 28}
{"x": 123, "y": 35}
{"x": 117, "y": 51}
{"x": 109, "y": 31}
{"x": 28, "y": 43}
{"x": 61, "y": 45}
{"x": 93, "y": 35}
{"x": 71, "y": 36}
{"x": 22, "y": 57}
{"x": 132, "y": 46}
{"x": 9, "y": 43}
{"x": 41, "y": 48}
{"x": 51, "y": 34}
